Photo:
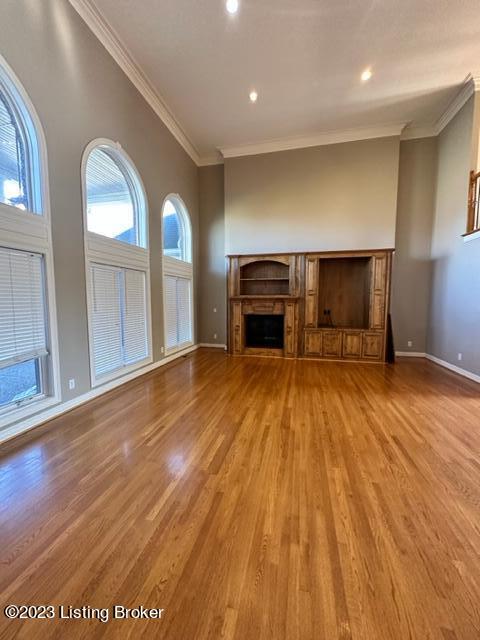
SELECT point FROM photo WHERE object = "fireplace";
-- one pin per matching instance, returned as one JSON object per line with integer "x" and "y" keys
{"x": 264, "y": 331}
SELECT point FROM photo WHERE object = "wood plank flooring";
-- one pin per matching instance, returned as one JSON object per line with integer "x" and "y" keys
{"x": 253, "y": 499}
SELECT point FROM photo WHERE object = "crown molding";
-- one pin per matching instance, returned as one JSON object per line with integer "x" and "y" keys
{"x": 468, "y": 88}
{"x": 119, "y": 52}
{"x": 214, "y": 158}
{"x": 413, "y": 133}
{"x": 470, "y": 85}
{"x": 320, "y": 139}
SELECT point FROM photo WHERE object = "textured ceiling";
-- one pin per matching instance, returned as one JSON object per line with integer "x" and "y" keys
{"x": 304, "y": 57}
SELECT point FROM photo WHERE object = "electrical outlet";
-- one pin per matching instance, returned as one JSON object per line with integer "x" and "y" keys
{"x": 71, "y": 384}
{"x": 460, "y": 356}
{"x": 214, "y": 336}
{"x": 214, "y": 309}
{"x": 410, "y": 343}
{"x": 162, "y": 350}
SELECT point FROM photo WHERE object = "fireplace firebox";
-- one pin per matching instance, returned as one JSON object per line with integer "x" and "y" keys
{"x": 264, "y": 331}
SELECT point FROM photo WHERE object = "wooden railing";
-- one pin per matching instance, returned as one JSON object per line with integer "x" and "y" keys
{"x": 473, "y": 223}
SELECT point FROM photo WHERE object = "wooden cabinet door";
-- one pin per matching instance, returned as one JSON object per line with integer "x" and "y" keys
{"x": 352, "y": 344}
{"x": 290, "y": 333}
{"x": 372, "y": 346}
{"x": 313, "y": 343}
{"x": 237, "y": 327}
{"x": 311, "y": 292}
{"x": 332, "y": 344}
{"x": 378, "y": 292}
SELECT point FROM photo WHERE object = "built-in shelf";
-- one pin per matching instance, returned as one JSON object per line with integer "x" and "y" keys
{"x": 264, "y": 278}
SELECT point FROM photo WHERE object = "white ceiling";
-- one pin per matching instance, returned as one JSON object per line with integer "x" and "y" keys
{"x": 304, "y": 57}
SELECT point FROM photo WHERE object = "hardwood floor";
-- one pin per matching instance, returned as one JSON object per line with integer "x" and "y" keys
{"x": 253, "y": 499}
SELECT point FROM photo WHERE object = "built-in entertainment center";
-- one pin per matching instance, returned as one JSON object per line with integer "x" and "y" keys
{"x": 329, "y": 305}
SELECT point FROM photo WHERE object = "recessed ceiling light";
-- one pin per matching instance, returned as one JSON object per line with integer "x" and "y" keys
{"x": 232, "y": 6}
{"x": 366, "y": 75}
{"x": 253, "y": 96}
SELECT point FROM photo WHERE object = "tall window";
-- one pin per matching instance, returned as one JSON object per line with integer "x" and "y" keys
{"x": 177, "y": 275}
{"x": 28, "y": 354}
{"x": 117, "y": 262}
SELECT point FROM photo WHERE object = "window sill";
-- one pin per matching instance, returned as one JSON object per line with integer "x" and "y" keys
{"x": 14, "y": 415}
{"x": 181, "y": 347}
{"x": 471, "y": 235}
{"x": 120, "y": 373}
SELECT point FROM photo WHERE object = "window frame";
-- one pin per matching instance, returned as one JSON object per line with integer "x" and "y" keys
{"x": 128, "y": 170}
{"x": 28, "y": 126}
{"x": 178, "y": 268}
{"x": 115, "y": 253}
{"x": 185, "y": 227}
{"x": 30, "y": 231}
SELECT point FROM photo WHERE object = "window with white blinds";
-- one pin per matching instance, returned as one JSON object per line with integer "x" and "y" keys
{"x": 29, "y": 359}
{"x": 23, "y": 325}
{"x": 178, "y": 311}
{"x": 118, "y": 318}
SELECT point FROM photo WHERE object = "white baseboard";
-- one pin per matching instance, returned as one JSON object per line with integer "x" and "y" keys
{"x": 410, "y": 354}
{"x": 216, "y": 345}
{"x": 442, "y": 363}
{"x": 454, "y": 368}
{"x": 64, "y": 407}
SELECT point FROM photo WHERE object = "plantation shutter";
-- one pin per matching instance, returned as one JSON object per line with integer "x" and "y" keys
{"x": 106, "y": 318}
{"x": 178, "y": 311}
{"x": 23, "y": 334}
{"x": 135, "y": 317}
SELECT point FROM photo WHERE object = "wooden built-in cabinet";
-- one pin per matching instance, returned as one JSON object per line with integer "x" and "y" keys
{"x": 334, "y": 305}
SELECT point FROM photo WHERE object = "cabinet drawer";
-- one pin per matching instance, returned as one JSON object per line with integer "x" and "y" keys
{"x": 263, "y": 308}
{"x": 372, "y": 347}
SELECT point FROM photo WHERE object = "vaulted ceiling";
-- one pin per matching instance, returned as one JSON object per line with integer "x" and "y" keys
{"x": 304, "y": 57}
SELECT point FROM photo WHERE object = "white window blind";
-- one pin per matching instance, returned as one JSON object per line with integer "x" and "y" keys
{"x": 23, "y": 334}
{"x": 135, "y": 317}
{"x": 106, "y": 319}
{"x": 178, "y": 311}
{"x": 119, "y": 317}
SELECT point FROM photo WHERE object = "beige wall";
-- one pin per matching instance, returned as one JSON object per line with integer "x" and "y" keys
{"x": 412, "y": 266}
{"x": 212, "y": 282}
{"x": 455, "y": 291}
{"x": 80, "y": 94}
{"x": 340, "y": 196}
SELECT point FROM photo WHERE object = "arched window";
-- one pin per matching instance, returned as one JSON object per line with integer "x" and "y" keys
{"x": 20, "y": 164}
{"x": 117, "y": 262}
{"x": 115, "y": 200}
{"x": 177, "y": 275}
{"x": 28, "y": 343}
{"x": 177, "y": 235}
